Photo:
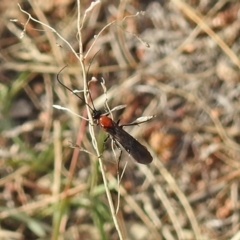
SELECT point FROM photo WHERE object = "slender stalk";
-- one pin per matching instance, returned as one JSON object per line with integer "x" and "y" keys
{"x": 91, "y": 130}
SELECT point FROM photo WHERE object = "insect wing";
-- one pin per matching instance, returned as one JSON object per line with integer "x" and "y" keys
{"x": 130, "y": 144}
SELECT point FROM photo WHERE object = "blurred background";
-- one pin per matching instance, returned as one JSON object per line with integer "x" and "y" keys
{"x": 178, "y": 61}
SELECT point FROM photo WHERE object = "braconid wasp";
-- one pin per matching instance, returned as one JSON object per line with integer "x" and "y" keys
{"x": 116, "y": 131}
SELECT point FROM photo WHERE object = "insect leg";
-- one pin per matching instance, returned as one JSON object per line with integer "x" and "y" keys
{"x": 104, "y": 142}
{"x": 119, "y": 157}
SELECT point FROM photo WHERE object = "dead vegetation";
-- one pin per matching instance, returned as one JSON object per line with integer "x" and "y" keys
{"x": 180, "y": 61}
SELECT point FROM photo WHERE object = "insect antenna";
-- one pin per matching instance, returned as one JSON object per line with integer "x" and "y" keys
{"x": 89, "y": 65}
{"x": 69, "y": 89}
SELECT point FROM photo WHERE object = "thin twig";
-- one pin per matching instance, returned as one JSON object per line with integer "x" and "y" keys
{"x": 91, "y": 130}
{"x": 81, "y": 61}
{"x": 47, "y": 26}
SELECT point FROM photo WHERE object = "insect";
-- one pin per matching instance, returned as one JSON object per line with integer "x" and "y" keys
{"x": 116, "y": 131}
